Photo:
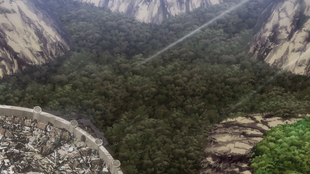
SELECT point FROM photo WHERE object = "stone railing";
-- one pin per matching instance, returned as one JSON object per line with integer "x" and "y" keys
{"x": 37, "y": 114}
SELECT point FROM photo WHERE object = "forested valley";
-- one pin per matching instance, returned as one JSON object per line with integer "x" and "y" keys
{"x": 156, "y": 117}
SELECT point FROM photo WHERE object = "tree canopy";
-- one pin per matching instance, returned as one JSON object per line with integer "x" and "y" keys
{"x": 156, "y": 117}
{"x": 285, "y": 149}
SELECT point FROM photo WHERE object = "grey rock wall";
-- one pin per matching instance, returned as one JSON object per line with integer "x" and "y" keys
{"x": 282, "y": 35}
{"x": 29, "y": 35}
{"x": 152, "y": 11}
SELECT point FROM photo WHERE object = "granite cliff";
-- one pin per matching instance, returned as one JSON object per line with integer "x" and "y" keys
{"x": 152, "y": 11}
{"x": 29, "y": 35}
{"x": 282, "y": 35}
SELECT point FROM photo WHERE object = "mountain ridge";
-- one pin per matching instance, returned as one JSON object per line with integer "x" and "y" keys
{"x": 152, "y": 11}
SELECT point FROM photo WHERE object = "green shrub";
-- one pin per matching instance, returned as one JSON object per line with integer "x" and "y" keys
{"x": 285, "y": 149}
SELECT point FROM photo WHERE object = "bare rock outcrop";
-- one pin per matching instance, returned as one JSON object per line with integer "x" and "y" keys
{"x": 29, "y": 35}
{"x": 231, "y": 143}
{"x": 283, "y": 35}
{"x": 152, "y": 11}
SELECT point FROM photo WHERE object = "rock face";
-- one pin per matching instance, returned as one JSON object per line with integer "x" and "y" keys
{"x": 29, "y": 35}
{"x": 152, "y": 11}
{"x": 231, "y": 143}
{"x": 283, "y": 35}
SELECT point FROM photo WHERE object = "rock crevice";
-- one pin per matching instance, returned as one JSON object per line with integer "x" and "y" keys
{"x": 152, "y": 11}
{"x": 281, "y": 36}
{"x": 29, "y": 35}
{"x": 231, "y": 143}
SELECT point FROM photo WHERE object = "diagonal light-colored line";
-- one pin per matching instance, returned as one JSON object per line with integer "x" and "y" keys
{"x": 192, "y": 33}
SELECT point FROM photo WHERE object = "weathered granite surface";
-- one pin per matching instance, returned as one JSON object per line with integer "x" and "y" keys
{"x": 231, "y": 143}
{"x": 282, "y": 35}
{"x": 30, "y": 34}
{"x": 152, "y": 11}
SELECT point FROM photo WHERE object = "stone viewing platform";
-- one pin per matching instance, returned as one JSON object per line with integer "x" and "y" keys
{"x": 32, "y": 141}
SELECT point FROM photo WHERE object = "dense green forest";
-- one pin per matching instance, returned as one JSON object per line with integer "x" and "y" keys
{"x": 156, "y": 117}
{"x": 285, "y": 149}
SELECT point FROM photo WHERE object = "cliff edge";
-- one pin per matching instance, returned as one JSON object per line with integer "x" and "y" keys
{"x": 29, "y": 35}
{"x": 283, "y": 35}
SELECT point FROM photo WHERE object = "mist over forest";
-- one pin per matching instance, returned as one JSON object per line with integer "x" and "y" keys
{"x": 156, "y": 117}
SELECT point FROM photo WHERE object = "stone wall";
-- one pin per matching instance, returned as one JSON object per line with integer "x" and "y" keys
{"x": 113, "y": 165}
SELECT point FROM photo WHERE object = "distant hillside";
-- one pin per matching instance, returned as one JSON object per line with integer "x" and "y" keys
{"x": 152, "y": 11}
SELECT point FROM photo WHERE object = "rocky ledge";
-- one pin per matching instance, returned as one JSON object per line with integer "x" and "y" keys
{"x": 231, "y": 143}
{"x": 27, "y": 147}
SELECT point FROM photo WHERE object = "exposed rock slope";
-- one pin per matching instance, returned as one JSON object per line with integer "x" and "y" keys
{"x": 154, "y": 11}
{"x": 231, "y": 143}
{"x": 29, "y": 35}
{"x": 283, "y": 35}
